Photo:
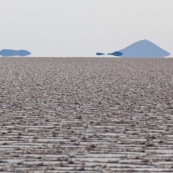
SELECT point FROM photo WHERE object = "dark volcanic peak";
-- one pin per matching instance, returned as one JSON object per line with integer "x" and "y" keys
{"x": 144, "y": 49}
{"x": 117, "y": 53}
{"x": 10, "y": 52}
{"x": 99, "y": 53}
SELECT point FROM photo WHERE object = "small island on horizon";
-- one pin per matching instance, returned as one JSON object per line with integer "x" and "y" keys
{"x": 10, "y": 52}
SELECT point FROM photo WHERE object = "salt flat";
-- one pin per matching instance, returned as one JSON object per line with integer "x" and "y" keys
{"x": 91, "y": 115}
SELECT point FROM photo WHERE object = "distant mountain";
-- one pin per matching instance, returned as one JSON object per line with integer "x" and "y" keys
{"x": 10, "y": 52}
{"x": 99, "y": 54}
{"x": 142, "y": 49}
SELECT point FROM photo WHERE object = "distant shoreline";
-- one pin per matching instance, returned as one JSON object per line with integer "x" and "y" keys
{"x": 79, "y": 57}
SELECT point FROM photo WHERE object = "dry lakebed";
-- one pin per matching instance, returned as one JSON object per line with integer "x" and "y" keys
{"x": 91, "y": 115}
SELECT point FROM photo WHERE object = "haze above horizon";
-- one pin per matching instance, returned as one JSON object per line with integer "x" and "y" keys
{"x": 82, "y": 28}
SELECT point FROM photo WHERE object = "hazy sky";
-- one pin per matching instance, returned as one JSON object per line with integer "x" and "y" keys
{"x": 83, "y": 27}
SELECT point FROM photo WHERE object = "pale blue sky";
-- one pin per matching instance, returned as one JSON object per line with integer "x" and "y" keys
{"x": 84, "y": 27}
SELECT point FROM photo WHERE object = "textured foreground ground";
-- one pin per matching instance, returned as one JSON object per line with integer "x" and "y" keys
{"x": 86, "y": 115}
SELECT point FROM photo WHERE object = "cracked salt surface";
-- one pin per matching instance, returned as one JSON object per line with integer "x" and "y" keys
{"x": 86, "y": 115}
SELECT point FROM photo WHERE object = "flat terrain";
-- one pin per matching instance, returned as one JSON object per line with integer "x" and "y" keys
{"x": 89, "y": 115}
